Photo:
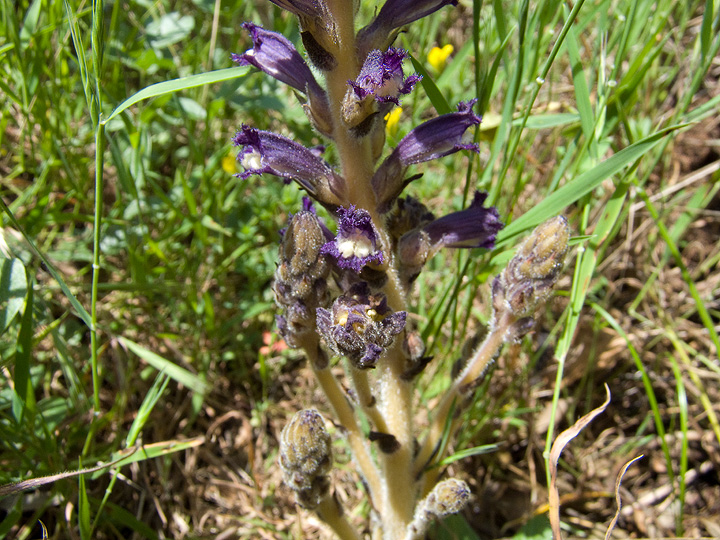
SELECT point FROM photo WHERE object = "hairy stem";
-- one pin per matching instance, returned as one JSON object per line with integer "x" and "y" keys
{"x": 346, "y": 416}
{"x": 478, "y": 362}
{"x": 330, "y": 511}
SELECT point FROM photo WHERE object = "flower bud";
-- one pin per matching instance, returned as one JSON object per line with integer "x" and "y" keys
{"x": 306, "y": 457}
{"x": 301, "y": 277}
{"x": 529, "y": 277}
{"x": 447, "y": 497}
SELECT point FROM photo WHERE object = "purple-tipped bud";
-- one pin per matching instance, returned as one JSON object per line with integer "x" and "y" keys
{"x": 306, "y": 457}
{"x": 381, "y": 81}
{"x": 356, "y": 242}
{"x": 433, "y": 139}
{"x": 266, "y": 152}
{"x": 393, "y": 15}
{"x": 274, "y": 54}
{"x": 360, "y": 326}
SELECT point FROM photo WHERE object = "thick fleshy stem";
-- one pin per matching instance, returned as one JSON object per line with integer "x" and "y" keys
{"x": 397, "y": 500}
{"x": 344, "y": 413}
{"x": 330, "y": 511}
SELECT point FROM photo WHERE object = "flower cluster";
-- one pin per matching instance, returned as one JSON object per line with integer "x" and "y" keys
{"x": 345, "y": 293}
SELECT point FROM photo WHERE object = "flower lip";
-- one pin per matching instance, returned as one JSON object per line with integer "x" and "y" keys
{"x": 360, "y": 326}
{"x": 356, "y": 242}
{"x": 382, "y": 77}
{"x": 274, "y": 54}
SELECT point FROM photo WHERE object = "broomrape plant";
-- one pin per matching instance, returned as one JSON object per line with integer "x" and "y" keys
{"x": 345, "y": 294}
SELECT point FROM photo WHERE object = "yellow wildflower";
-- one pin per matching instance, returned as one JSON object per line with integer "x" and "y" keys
{"x": 392, "y": 121}
{"x": 437, "y": 57}
{"x": 229, "y": 163}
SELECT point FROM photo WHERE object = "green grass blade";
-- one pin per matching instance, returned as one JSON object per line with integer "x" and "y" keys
{"x": 81, "y": 311}
{"x": 23, "y": 384}
{"x": 433, "y": 92}
{"x": 175, "y": 372}
{"x": 555, "y": 203}
{"x": 175, "y": 85}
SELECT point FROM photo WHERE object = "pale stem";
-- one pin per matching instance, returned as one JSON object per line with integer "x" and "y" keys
{"x": 478, "y": 362}
{"x": 398, "y": 497}
{"x": 396, "y": 406}
{"x": 361, "y": 384}
{"x": 330, "y": 511}
{"x": 346, "y": 416}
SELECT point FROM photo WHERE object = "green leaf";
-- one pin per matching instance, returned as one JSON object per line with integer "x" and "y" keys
{"x": 175, "y": 85}
{"x": 555, "y": 203}
{"x": 175, "y": 372}
{"x": 13, "y": 288}
{"x": 170, "y": 29}
{"x": 436, "y": 96}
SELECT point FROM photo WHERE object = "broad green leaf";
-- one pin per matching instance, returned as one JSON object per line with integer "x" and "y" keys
{"x": 170, "y": 29}
{"x": 175, "y": 85}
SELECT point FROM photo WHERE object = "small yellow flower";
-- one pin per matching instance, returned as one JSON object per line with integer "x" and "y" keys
{"x": 229, "y": 163}
{"x": 392, "y": 121}
{"x": 437, "y": 57}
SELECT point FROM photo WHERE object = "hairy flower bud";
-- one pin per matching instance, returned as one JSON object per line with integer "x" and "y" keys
{"x": 447, "y": 497}
{"x": 306, "y": 457}
{"x": 529, "y": 277}
{"x": 301, "y": 277}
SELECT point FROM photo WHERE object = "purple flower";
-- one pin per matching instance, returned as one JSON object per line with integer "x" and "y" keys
{"x": 474, "y": 227}
{"x": 433, "y": 139}
{"x": 360, "y": 326}
{"x": 266, "y": 152}
{"x": 382, "y": 77}
{"x": 394, "y": 14}
{"x": 274, "y": 54}
{"x": 356, "y": 242}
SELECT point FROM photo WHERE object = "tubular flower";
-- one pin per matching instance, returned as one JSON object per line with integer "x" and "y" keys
{"x": 394, "y": 14}
{"x": 274, "y": 54}
{"x": 266, "y": 152}
{"x": 433, "y": 139}
{"x": 356, "y": 242}
{"x": 360, "y": 326}
{"x": 474, "y": 227}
